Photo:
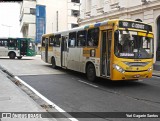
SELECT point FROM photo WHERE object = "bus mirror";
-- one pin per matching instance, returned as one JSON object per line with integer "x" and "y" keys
{"x": 147, "y": 39}
{"x": 147, "y": 31}
{"x": 127, "y": 30}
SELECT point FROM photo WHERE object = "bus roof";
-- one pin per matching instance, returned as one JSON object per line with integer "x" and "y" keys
{"x": 98, "y": 24}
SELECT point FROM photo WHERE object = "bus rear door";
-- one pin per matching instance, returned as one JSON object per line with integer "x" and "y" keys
{"x": 64, "y": 52}
{"x": 23, "y": 47}
{"x": 46, "y": 50}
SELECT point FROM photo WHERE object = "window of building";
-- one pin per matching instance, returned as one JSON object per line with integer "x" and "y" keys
{"x": 100, "y": 3}
{"x": 75, "y": 1}
{"x": 74, "y": 25}
{"x": 57, "y": 40}
{"x": 32, "y": 11}
{"x": 3, "y": 42}
{"x": 88, "y": 5}
{"x": 75, "y": 13}
{"x": 72, "y": 39}
{"x": 92, "y": 37}
{"x": 81, "y": 38}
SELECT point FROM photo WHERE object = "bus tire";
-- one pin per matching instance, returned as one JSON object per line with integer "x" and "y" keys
{"x": 53, "y": 63}
{"x": 20, "y": 57}
{"x": 90, "y": 72}
{"x": 12, "y": 55}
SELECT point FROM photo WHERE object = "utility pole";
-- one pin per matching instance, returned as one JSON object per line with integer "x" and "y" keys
{"x": 57, "y": 19}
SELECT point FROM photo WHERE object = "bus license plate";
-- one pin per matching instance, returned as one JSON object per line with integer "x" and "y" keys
{"x": 136, "y": 76}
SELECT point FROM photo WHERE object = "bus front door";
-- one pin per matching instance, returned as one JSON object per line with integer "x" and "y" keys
{"x": 64, "y": 52}
{"x": 46, "y": 50}
{"x": 23, "y": 49}
{"x": 106, "y": 52}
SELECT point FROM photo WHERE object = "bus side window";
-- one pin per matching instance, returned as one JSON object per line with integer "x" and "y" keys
{"x": 81, "y": 38}
{"x": 43, "y": 41}
{"x": 3, "y": 43}
{"x": 92, "y": 37}
{"x": 51, "y": 41}
{"x": 57, "y": 40}
{"x": 72, "y": 39}
{"x": 12, "y": 43}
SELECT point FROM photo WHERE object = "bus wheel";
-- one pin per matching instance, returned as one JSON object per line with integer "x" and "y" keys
{"x": 53, "y": 63}
{"x": 91, "y": 73}
{"x": 12, "y": 55}
{"x": 20, "y": 57}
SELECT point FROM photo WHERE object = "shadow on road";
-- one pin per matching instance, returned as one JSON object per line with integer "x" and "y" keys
{"x": 101, "y": 81}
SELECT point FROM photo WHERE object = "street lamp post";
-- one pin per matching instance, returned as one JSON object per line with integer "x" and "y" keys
{"x": 8, "y": 27}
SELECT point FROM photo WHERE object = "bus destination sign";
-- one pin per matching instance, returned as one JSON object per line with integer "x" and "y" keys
{"x": 134, "y": 25}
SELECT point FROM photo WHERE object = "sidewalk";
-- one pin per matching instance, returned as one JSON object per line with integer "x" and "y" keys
{"x": 156, "y": 69}
{"x": 13, "y": 99}
{"x": 156, "y": 73}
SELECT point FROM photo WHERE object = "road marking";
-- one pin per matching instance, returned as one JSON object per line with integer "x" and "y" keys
{"x": 88, "y": 83}
{"x": 43, "y": 97}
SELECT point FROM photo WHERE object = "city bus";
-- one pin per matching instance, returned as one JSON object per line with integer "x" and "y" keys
{"x": 113, "y": 49}
{"x": 17, "y": 47}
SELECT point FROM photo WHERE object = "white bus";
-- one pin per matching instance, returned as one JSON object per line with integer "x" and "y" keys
{"x": 16, "y": 47}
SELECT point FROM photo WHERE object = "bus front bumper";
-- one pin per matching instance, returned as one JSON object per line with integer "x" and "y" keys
{"x": 130, "y": 75}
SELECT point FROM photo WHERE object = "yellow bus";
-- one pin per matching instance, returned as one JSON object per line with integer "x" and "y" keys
{"x": 114, "y": 49}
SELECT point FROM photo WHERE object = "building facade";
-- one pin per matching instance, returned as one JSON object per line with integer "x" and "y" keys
{"x": 148, "y": 11}
{"x": 27, "y": 18}
{"x": 60, "y": 15}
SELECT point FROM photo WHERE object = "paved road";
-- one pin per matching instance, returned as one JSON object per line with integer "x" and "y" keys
{"x": 73, "y": 93}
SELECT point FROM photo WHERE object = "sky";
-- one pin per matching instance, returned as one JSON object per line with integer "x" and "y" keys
{"x": 9, "y": 16}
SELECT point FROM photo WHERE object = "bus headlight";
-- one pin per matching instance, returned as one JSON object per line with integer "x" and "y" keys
{"x": 118, "y": 68}
{"x": 150, "y": 69}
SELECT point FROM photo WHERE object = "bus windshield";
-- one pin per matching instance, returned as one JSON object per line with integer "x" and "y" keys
{"x": 128, "y": 44}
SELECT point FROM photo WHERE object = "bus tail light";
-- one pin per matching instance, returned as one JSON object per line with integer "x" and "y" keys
{"x": 118, "y": 68}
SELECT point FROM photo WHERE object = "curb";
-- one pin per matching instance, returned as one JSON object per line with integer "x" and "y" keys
{"x": 48, "y": 106}
{"x": 156, "y": 75}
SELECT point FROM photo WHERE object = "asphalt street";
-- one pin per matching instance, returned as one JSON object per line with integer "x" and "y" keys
{"x": 73, "y": 93}
{"x": 76, "y": 94}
